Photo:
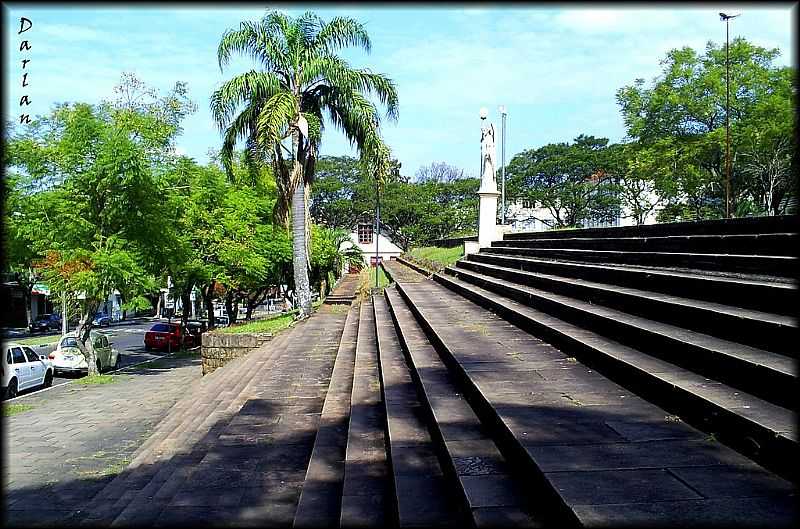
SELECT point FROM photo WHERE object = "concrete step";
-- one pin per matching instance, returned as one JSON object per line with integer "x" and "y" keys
{"x": 752, "y": 225}
{"x": 489, "y": 492}
{"x": 783, "y": 244}
{"x": 772, "y": 265}
{"x": 765, "y": 374}
{"x": 176, "y": 419}
{"x": 420, "y": 493}
{"x": 158, "y": 471}
{"x": 252, "y": 468}
{"x": 320, "y": 501}
{"x": 757, "y": 294}
{"x": 766, "y": 330}
{"x": 763, "y": 430}
{"x": 599, "y": 454}
{"x": 366, "y": 492}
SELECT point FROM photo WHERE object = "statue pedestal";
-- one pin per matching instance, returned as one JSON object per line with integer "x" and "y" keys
{"x": 487, "y": 218}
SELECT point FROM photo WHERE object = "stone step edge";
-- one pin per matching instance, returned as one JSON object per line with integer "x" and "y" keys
{"x": 648, "y": 271}
{"x": 182, "y": 419}
{"x": 558, "y": 511}
{"x": 387, "y": 404}
{"x": 415, "y": 267}
{"x": 171, "y": 420}
{"x": 712, "y": 416}
{"x": 444, "y": 455}
{"x": 589, "y": 251}
{"x": 197, "y": 416}
{"x": 730, "y": 311}
{"x": 688, "y": 340}
{"x": 161, "y": 478}
{"x": 343, "y": 355}
{"x": 367, "y": 325}
{"x": 780, "y": 267}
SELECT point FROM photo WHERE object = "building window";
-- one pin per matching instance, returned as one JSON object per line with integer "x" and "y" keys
{"x": 527, "y": 204}
{"x": 365, "y": 234}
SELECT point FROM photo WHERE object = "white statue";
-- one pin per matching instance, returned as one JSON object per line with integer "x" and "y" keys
{"x": 488, "y": 159}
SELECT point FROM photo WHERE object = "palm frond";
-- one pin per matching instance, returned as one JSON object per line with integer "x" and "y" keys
{"x": 342, "y": 32}
{"x": 243, "y": 126}
{"x": 249, "y": 86}
{"x": 260, "y": 41}
{"x": 353, "y": 114}
{"x": 309, "y": 24}
{"x": 274, "y": 116}
{"x": 337, "y": 74}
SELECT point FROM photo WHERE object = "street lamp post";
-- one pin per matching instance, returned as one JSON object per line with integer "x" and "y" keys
{"x": 377, "y": 226}
{"x": 64, "y": 315}
{"x": 726, "y": 18}
{"x": 503, "y": 168}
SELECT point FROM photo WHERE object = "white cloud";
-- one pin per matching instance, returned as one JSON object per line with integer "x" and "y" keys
{"x": 615, "y": 20}
{"x": 72, "y": 32}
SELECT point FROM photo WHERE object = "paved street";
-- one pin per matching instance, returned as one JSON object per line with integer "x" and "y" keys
{"x": 77, "y": 437}
{"x": 127, "y": 337}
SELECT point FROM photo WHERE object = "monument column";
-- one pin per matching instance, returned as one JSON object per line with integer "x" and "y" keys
{"x": 487, "y": 216}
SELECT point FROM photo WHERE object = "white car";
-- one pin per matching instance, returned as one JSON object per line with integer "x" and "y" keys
{"x": 68, "y": 356}
{"x": 23, "y": 368}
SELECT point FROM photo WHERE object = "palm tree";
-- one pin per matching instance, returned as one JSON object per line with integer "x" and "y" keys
{"x": 301, "y": 80}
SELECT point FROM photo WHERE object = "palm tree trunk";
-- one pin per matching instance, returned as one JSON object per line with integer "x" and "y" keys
{"x": 300, "y": 261}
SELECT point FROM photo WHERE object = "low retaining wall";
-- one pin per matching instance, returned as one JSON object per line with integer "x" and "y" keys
{"x": 418, "y": 267}
{"x": 218, "y": 349}
{"x": 452, "y": 242}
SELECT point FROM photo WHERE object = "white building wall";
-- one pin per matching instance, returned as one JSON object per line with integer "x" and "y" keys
{"x": 386, "y": 248}
{"x": 540, "y": 219}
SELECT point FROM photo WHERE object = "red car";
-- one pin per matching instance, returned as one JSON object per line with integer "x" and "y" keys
{"x": 170, "y": 336}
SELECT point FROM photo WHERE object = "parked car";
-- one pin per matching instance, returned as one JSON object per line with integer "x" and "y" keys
{"x": 23, "y": 368}
{"x": 45, "y": 322}
{"x": 196, "y": 329}
{"x": 167, "y": 336}
{"x": 101, "y": 319}
{"x": 69, "y": 355}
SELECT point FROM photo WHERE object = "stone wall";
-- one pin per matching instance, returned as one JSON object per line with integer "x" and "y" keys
{"x": 218, "y": 349}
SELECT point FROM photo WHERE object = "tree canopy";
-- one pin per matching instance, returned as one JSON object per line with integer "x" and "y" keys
{"x": 301, "y": 80}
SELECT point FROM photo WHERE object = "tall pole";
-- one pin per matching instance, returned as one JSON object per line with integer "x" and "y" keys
{"x": 503, "y": 169}
{"x": 727, "y": 19}
{"x": 377, "y": 226}
{"x": 64, "y": 315}
{"x": 727, "y": 120}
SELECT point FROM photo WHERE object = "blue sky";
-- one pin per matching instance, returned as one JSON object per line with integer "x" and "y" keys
{"x": 555, "y": 67}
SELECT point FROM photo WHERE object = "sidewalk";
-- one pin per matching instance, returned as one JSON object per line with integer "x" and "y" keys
{"x": 64, "y": 450}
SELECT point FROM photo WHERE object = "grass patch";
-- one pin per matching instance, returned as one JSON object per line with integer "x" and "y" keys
{"x": 367, "y": 280}
{"x": 273, "y": 325}
{"x": 97, "y": 380}
{"x": 116, "y": 467}
{"x": 13, "y": 409}
{"x": 338, "y": 309}
{"x": 37, "y": 340}
{"x": 439, "y": 256}
{"x": 370, "y": 274}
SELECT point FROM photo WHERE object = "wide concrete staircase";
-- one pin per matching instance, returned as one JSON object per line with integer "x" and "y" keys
{"x": 643, "y": 380}
{"x": 502, "y": 395}
{"x": 640, "y": 375}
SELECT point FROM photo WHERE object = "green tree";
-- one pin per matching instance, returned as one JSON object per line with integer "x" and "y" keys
{"x": 441, "y": 202}
{"x": 574, "y": 182}
{"x": 337, "y": 197}
{"x": 682, "y": 116}
{"x": 301, "y": 79}
{"x": 92, "y": 173}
